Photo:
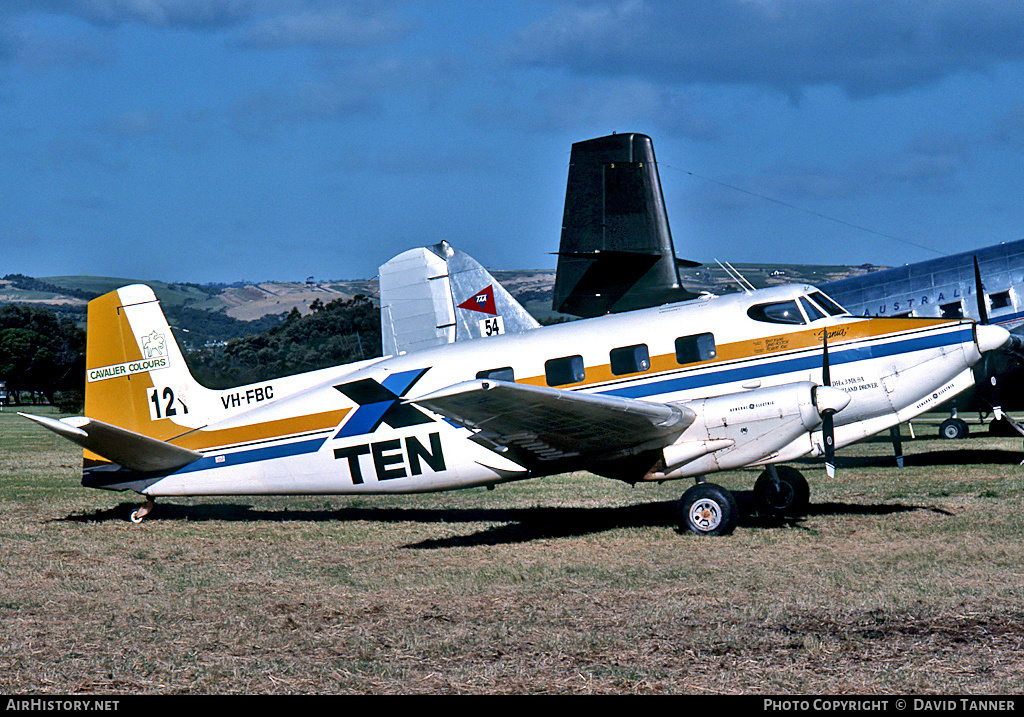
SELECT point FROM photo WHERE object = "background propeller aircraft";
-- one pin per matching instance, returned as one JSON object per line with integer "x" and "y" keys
{"x": 986, "y": 285}
{"x": 680, "y": 390}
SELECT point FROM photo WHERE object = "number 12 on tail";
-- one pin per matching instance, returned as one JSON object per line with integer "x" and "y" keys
{"x": 164, "y": 404}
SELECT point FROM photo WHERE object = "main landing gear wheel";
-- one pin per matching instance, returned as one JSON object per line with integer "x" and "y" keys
{"x": 137, "y": 515}
{"x": 708, "y": 509}
{"x": 785, "y": 493}
{"x": 953, "y": 428}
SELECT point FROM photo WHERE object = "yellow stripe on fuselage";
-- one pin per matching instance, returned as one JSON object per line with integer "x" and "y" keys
{"x": 839, "y": 335}
{"x": 219, "y": 439}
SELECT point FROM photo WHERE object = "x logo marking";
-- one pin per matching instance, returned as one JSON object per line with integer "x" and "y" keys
{"x": 381, "y": 403}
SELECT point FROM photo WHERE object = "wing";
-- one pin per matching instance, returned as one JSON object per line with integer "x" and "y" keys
{"x": 541, "y": 425}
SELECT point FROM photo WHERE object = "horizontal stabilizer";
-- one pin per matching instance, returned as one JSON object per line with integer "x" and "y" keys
{"x": 547, "y": 424}
{"x": 127, "y": 448}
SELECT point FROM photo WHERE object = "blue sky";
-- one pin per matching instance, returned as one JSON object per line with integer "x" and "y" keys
{"x": 223, "y": 140}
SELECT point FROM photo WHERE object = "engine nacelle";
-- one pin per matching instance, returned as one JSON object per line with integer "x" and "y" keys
{"x": 739, "y": 429}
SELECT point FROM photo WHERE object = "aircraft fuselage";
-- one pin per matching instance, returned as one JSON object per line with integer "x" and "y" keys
{"x": 358, "y": 429}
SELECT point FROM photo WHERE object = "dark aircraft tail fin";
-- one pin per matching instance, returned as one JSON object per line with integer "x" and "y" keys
{"x": 616, "y": 251}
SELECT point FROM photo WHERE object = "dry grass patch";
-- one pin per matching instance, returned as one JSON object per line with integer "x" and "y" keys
{"x": 896, "y": 582}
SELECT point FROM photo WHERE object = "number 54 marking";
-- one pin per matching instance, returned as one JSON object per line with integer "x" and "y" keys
{"x": 492, "y": 327}
{"x": 162, "y": 403}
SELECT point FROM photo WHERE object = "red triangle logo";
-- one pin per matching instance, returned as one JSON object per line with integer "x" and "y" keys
{"x": 482, "y": 301}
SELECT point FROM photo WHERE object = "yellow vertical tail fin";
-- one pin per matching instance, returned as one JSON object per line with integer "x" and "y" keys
{"x": 136, "y": 376}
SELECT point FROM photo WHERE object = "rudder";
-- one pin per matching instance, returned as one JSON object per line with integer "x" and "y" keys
{"x": 616, "y": 252}
{"x": 437, "y": 295}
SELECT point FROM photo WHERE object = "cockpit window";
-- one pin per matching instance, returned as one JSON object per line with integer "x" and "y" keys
{"x": 777, "y": 312}
{"x": 827, "y": 304}
{"x": 812, "y": 311}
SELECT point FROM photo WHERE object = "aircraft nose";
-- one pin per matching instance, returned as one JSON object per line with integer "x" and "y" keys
{"x": 990, "y": 338}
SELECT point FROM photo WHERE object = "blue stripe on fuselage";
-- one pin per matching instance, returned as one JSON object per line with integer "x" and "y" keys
{"x": 1006, "y": 318}
{"x": 808, "y": 361}
{"x": 256, "y": 454}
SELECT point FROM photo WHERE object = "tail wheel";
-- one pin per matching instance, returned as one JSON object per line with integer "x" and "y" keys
{"x": 708, "y": 509}
{"x": 785, "y": 493}
{"x": 139, "y": 515}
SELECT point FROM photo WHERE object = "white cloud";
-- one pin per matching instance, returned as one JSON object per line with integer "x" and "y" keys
{"x": 865, "y": 47}
{"x": 160, "y": 13}
{"x": 335, "y": 28}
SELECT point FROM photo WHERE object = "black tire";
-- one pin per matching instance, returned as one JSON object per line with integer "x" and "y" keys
{"x": 1002, "y": 428}
{"x": 953, "y": 428}
{"x": 790, "y": 497}
{"x": 708, "y": 509}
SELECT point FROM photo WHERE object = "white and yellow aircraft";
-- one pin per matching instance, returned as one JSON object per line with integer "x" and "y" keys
{"x": 682, "y": 390}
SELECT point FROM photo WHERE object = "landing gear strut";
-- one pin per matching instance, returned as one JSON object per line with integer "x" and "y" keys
{"x": 138, "y": 515}
{"x": 782, "y": 490}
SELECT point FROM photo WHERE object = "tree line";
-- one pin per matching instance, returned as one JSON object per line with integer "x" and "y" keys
{"x": 42, "y": 352}
{"x": 339, "y": 332}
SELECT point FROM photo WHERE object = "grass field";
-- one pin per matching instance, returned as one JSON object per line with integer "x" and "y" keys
{"x": 898, "y": 581}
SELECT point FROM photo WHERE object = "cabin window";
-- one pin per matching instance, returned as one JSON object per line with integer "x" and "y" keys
{"x": 568, "y": 369}
{"x": 777, "y": 312}
{"x": 812, "y": 311}
{"x": 827, "y": 304}
{"x": 1000, "y": 300}
{"x": 498, "y": 374}
{"x": 691, "y": 349}
{"x": 630, "y": 359}
{"x": 954, "y": 310}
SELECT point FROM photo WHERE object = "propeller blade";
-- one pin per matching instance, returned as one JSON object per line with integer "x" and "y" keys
{"x": 828, "y": 429}
{"x": 991, "y": 369}
{"x": 826, "y": 378}
{"x": 980, "y": 294}
{"x": 987, "y": 365}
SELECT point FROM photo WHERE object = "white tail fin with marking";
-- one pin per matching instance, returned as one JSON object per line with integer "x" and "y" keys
{"x": 437, "y": 295}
